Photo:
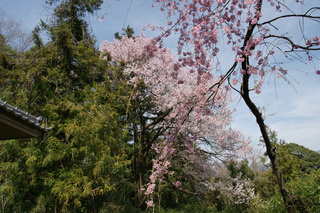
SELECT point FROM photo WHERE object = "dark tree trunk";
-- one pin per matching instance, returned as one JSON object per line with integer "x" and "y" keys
{"x": 287, "y": 198}
{"x": 140, "y": 167}
{"x": 289, "y": 203}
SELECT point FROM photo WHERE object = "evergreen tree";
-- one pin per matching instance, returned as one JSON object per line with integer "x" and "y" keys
{"x": 73, "y": 12}
{"x": 82, "y": 160}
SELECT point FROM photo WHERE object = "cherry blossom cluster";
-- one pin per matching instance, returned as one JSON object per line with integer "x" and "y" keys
{"x": 193, "y": 88}
{"x": 161, "y": 167}
{"x": 237, "y": 190}
{"x": 194, "y": 119}
{"x": 213, "y": 176}
{"x": 201, "y": 23}
{"x": 204, "y": 25}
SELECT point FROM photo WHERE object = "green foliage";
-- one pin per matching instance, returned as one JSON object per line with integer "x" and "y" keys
{"x": 299, "y": 167}
{"x": 128, "y": 32}
{"x": 84, "y": 158}
{"x": 307, "y": 188}
{"x": 192, "y": 206}
{"x": 289, "y": 163}
{"x": 240, "y": 168}
{"x": 273, "y": 205}
{"x": 73, "y": 12}
{"x": 294, "y": 159}
{"x": 309, "y": 160}
{"x": 269, "y": 199}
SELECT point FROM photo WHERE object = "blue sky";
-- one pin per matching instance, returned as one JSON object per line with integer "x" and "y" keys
{"x": 292, "y": 112}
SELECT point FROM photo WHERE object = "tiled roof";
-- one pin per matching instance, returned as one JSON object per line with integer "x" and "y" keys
{"x": 16, "y": 115}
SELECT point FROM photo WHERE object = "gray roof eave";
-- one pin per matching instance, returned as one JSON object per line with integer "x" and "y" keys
{"x": 21, "y": 120}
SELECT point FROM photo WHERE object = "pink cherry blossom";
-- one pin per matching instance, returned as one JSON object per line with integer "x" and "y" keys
{"x": 150, "y": 203}
{"x": 185, "y": 94}
{"x": 226, "y": 29}
{"x": 196, "y": 89}
{"x": 239, "y": 59}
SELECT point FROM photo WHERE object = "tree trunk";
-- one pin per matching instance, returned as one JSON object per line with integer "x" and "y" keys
{"x": 139, "y": 179}
{"x": 139, "y": 168}
{"x": 287, "y": 198}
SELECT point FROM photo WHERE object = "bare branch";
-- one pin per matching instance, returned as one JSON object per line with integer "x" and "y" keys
{"x": 294, "y": 46}
{"x": 218, "y": 84}
{"x": 160, "y": 118}
{"x": 290, "y": 15}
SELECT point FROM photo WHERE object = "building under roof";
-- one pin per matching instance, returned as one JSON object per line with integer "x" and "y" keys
{"x": 16, "y": 123}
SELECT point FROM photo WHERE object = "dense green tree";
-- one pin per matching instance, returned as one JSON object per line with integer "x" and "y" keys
{"x": 299, "y": 166}
{"x": 83, "y": 159}
{"x": 289, "y": 164}
{"x": 294, "y": 159}
{"x": 128, "y": 32}
{"x": 242, "y": 167}
{"x": 307, "y": 187}
{"x": 73, "y": 13}
{"x": 309, "y": 160}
